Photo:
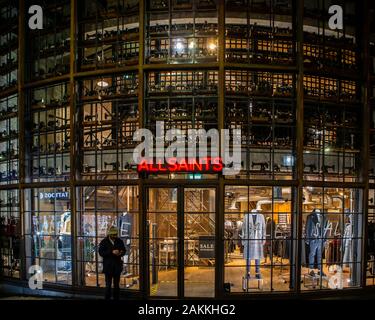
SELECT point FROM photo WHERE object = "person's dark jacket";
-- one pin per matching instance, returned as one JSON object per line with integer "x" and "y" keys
{"x": 112, "y": 264}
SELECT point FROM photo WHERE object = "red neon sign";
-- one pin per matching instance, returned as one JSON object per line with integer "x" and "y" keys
{"x": 210, "y": 165}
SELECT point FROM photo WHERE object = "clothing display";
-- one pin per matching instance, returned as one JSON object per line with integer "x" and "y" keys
{"x": 333, "y": 251}
{"x": 348, "y": 244}
{"x": 270, "y": 229}
{"x": 125, "y": 233}
{"x": 316, "y": 225}
{"x": 282, "y": 241}
{"x": 253, "y": 235}
{"x": 125, "y": 224}
{"x": 230, "y": 229}
{"x": 315, "y": 253}
{"x": 237, "y": 233}
{"x": 65, "y": 223}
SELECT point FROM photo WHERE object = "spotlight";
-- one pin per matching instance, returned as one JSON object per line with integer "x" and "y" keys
{"x": 212, "y": 46}
{"x": 179, "y": 46}
{"x": 102, "y": 84}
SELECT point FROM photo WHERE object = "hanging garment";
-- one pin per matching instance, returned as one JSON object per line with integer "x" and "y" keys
{"x": 125, "y": 223}
{"x": 237, "y": 235}
{"x": 253, "y": 236}
{"x": 348, "y": 244}
{"x": 270, "y": 230}
{"x": 333, "y": 252}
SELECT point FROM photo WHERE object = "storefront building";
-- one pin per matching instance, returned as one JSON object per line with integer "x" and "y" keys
{"x": 298, "y": 219}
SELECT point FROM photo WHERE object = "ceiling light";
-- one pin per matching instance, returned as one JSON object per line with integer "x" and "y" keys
{"x": 212, "y": 46}
{"x": 192, "y": 44}
{"x": 102, "y": 84}
{"x": 179, "y": 46}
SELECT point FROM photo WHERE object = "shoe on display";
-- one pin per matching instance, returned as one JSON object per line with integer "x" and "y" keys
{"x": 312, "y": 273}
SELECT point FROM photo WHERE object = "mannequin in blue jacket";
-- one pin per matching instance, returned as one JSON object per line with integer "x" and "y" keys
{"x": 316, "y": 225}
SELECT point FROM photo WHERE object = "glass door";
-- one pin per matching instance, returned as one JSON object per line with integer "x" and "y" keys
{"x": 181, "y": 268}
{"x": 162, "y": 226}
{"x": 199, "y": 242}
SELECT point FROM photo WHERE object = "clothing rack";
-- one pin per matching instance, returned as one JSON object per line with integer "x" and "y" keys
{"x": 282, "y": 232}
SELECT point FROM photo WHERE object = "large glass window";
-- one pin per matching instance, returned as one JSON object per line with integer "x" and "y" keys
{"x": 99, "y": 209}
{"x": 332, "y": 142}
{"x": 181, "y": 31}
{"x": 331, "y": 252}
{"x": 162, "y": 228}
{"x": 258, "y": 239}
{"x": 50, "y": 47}
{"x": 49, "y": 136}
{"x": 48, "y": 233}
{"x": 8, "y": 46}
{"x": 109, "y": 116}
{"x": 259, "y": 32}
{"x": 9, "y": 140}
{"x": 261, "y": 104}
{"x": 10, "y": 234}
{"x": 109, "y": 35}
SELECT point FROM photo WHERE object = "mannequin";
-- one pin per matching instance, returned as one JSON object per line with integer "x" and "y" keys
{"x": 316, "y": 226}
{"x": 45, "y": 225}
{"x": 125, "y": 233}
{"x": 347, "y": 242}
{"x": 125, "y": 223}
{"x": 253, "y": 240}
{"x": 65, "y": 238}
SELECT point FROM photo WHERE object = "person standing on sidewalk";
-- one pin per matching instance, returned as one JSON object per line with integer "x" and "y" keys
{"x": 112, "y": 249}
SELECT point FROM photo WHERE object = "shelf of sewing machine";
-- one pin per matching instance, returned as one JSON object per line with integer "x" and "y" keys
{"x": 332, "y": 150}
{"x": 134, "y": 36}
{"x": 110, "y": 65}
{"x": 101, "y": 98}
{"x": 98, "y": 123}
{"x": 60, "y": 129}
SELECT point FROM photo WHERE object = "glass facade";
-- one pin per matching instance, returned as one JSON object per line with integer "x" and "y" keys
{"x": 299, "y": 215}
